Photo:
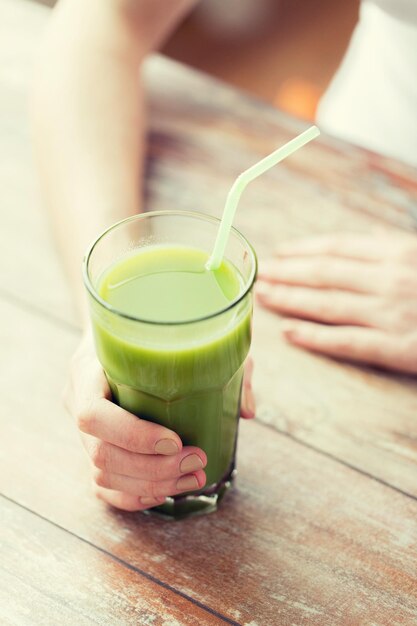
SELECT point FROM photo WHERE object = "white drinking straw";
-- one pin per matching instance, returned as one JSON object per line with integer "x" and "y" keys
{"x": 239, "y": 186}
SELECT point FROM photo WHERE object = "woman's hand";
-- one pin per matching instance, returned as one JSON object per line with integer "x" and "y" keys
{"x": 136, "y": 463}
{"x": 359, "y": 293}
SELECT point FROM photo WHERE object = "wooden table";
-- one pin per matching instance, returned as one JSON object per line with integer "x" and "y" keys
{"x": 321, "y": 528}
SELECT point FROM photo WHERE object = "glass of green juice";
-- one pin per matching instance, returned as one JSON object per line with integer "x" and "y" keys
{"x": 173, "y": 337}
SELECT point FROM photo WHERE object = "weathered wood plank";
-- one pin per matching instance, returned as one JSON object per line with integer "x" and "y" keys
{"x": 303, "y": 539}
{"x": 203, "y": 134}
{"x": 49, "y": 577}
{"x": 364, "y": 417}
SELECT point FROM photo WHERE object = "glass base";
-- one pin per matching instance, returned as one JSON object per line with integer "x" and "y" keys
{"x": 206, "y": 501}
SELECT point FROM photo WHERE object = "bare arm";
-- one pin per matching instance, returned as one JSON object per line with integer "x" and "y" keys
{"x": 89, "y": 123}
{"x": 89, "y": 129}
{"x": 88, "y": 113}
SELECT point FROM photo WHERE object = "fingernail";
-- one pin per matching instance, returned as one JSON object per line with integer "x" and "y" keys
{"x": 187, "y": 483}
{"x": 290, "y": 330}
{"x": 191, "y": 463}
{"x": 166, "y": 446}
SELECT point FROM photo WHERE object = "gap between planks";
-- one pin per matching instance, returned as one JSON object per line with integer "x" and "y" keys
{"x": 125, "y": 564}
{"x": 332, "y": 457}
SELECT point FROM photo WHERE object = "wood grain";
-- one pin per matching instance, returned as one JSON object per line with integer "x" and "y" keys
{"x": 302, "y": 539}
{"x": 204, "y": 133}
{"x": 50, "y": 577}
{"x": 360, "y": 415}
{"x": 311, "y": 534}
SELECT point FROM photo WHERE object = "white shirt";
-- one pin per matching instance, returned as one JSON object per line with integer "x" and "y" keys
{"x": 372, "y": 99}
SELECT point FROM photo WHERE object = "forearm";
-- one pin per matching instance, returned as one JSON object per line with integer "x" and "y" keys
{"x": 88, "y": 113}
{"x": 88, "y": 126}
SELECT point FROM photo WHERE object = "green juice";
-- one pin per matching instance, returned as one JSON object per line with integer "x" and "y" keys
{"x": 179, "y": 360}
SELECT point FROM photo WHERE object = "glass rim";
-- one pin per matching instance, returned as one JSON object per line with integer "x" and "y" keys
{"x": 140, "y": 216}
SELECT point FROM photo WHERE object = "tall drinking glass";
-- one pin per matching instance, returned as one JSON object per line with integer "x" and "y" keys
{"x": 184, "y": 375}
